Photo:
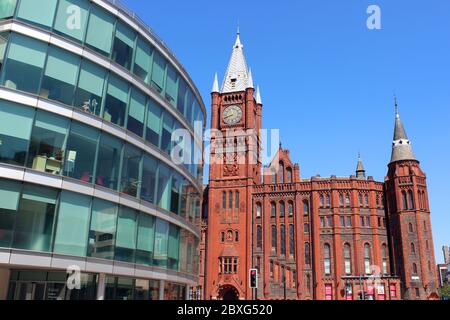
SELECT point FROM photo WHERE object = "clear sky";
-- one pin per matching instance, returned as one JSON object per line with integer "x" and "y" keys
{"x": 327, "y": 81}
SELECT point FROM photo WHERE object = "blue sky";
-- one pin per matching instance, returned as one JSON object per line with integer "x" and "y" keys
{"x": 327, "y": 81}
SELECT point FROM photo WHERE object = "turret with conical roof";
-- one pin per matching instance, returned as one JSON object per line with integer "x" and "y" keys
{"x": 360, "y": 172}
{"x": 401, "y": 146}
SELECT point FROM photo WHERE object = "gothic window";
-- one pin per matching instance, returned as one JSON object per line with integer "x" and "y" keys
{"x": 349, "y": 221}
{"x": 259, "y": 237}
{"x": 274, "y": 237}
{"x": 384, "y": 258}
{"x": 424, "y": 226}
{"x": 258, "y": 209}
{"x": 414, "y": 268}
{"x": 283, "y": 239}
{"x": 322, "y": 222}
{"x": 230, "y": 199}
{"x": 224, "y": 200}
{"x": 307, "y": 254}
{"x": 341, "y": 200}
{"x": 405, "y": 201}
{"x": 321, "y": 200}
{"x": 347, "y": 259}
{"x": 330, "y": 222}
{"x": 306, "y": 228}
{"x": 360, "y": 199}
{"x": 367, "y": 221}
{"x": 274, "y": 176}
{"x": 347, "y": 200}
{"x": 342, "y": 219}
{"x": 228, "y": 265}
{"x": 305, "y": 207}
{"x": 271, "y": 268}
{"x": 410, "y": 227}
{"x": 308, "y": 282}
{"x": 289, "y": 175}
{"x": 290, "y": 208}
{"x": 222, "y": 236}
{"x": 410, "y": 199}
{"x": 366, "y": 200}
{"x": 281, "y": 172}
{"x": 367, "y": 259}
{"x": 291, "y": 240}
{"x": 273, "y": 210}
{"x": 281, "y": 209}
{"x": 236, "y": 236}
{"x": 236, "y": 200}
{"x": 328, "y": 200}
{"x": 413, "y": 248}
{"x": 327, "y": 259}
{"x": 361, "y": 220}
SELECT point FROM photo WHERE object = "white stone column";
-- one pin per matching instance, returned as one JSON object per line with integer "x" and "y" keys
{"x": 101, "y": 286}
{"x": 161, "y": 289}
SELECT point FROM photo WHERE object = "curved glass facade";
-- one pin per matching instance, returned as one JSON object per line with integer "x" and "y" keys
{"x": 132, "y": 96}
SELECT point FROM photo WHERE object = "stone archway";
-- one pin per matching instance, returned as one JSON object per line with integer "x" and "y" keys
{"x": 228, "y": 292}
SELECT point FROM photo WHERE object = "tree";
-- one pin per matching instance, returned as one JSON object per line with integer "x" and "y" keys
{"x": 444, "y": 292}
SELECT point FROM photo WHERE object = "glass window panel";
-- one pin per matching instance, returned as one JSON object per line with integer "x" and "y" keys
{"x": 172, "y": 86}
{"x": 60, "y": 76}
{"x": 23, "y": 68}
{"x": 116, "y": 101}
{"x": 158, "y": 72}
{"x": 48, "y": 140}
{"x": 71, "y": 18}
{"x": 181, "y": 95}
{"x": 188, "y": 111}
{"x": 153, "y": 132}
{"x": 136, "y": 113}
{"x": 163, "y": 187}
{"x": 9, "y": 201}
{"x": 166, "y": 138}
{"x": 126, "y": 234}
{"x": 34, "y": 221}
{"x": 3, "y": 43}
{"x": 15, "y": 129}
{"x": 149, "y": 179}
{"x": 173, "y": 246}
{"x": 145, "y": 239}
{"x": 123, "y": 45}
{"x": 175, "y": 194}
{"x": 161, "y": 239}
{"x": 7, "y": 8}
{"x": 129, "y": 181}
{"x": 100, "y": 30}
{"x": 41, "y": 14}
{"x": 108, "y": 161}
{"x": 74, "y": 210}
{"x": 103, "y": 229}
{"x": 143, "y": 60}
{"x": 90, "y": 89}
{"x": 80, "y": 155}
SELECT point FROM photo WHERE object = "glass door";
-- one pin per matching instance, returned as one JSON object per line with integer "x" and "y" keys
{"x": 30, "y": 291}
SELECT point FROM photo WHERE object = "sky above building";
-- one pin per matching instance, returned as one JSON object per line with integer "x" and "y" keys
{"x": 327, "y": 81}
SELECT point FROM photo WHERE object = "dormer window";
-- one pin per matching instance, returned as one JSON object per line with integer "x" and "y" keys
{"x": 233, "y": 82}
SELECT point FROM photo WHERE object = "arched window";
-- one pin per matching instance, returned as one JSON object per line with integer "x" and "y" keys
{"x": 290, "y": 208}
{"x": 341, "y": 200}
{"x": 230, "y": 199}
{"x": 410, "y": 227}
{"x": 307, "y": 254}
{"x": 258, "y": 209}
{"x": 224, "y": 200}
{"x": 366, "y": 200}
{"x": 308, "y": 282}
{"x": 347, "y": 259}
{"x": 273, "y": 211}
{"x": 222, "y": 236}
{"x": 291, "y": 240}
{"x": 360, "y": 199}
{"x": 281, "y": 172}
{"x": 327, "y": 259}
{"x": 321, "y": 200}
{"x": 328, "y": 200}
{"x": 274, "y": 238}
{"x": 378, "y": 200}
{"x": 410, "y": 199}
{"x": 236, "y": 199}
{"x": 283, "y": 239}
{"x": 413, "y": 248}
{"x": 419, "y": 198}
{"x": 289, "y": 175}
{"x": 367, "y": 259}
{"x": 384, "y": 258}
{"x": 259, "y": 237}
{"x": 236, "y": 236}
{"x": 429, "y": 266}
{"x": 347, "y": 200}
{"x": 424, "y": 225}
{"x": 405, "y": 201}
{"x": 274, "y": 176}
{"x": 281, "y": 209}
{"x": 414, "y": 268}
{"x": 305, "y": 207}
{"x": 306, "y": 228}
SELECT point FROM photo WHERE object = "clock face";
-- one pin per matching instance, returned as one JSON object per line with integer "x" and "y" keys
{"x": 232, "y": 114}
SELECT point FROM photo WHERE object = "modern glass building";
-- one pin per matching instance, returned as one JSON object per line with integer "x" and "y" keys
{"x": 89, "y": 100}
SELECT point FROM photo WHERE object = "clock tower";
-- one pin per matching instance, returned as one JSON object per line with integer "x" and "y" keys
{"x": 235, "y": 169}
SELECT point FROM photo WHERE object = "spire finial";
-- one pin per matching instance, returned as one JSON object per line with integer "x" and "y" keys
{"x": 215, "y": 87}
{"x": 280, "y": 145}
{"x": 238, "y": 28}
{"x": 396, "y": 106}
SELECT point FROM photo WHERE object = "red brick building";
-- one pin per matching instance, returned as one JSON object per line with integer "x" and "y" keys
{"x": 318, "y": 238}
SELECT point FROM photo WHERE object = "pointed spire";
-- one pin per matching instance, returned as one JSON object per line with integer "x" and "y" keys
{"x": 215, "y": 87}
{"x": 250, "y": 79}
{"x": 258, "y": 96}
{"x": 401, "y": 146}
{"x": 360, "y": 172}
{"x": 236, "y": 77}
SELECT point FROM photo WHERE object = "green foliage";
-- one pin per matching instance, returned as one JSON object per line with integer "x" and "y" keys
{"x": 444, "y": 292}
